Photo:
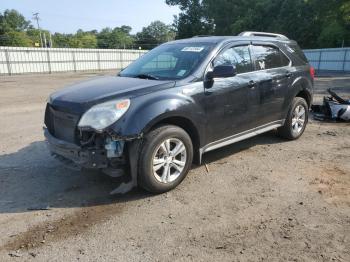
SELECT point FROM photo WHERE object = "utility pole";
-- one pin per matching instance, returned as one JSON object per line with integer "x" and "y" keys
{"x": 36, "y": 17}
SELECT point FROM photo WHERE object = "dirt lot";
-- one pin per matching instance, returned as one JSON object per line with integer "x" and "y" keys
{"x": 263, "y": 199}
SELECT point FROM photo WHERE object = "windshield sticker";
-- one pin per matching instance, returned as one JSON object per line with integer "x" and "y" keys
{"x": 196, "y": 49}
{"x": 181, "y": 72}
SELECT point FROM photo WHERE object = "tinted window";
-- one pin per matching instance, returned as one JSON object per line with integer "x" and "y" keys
{"x": 295, "y": 49}
{"x": 238, "y": 56}
{"x": 284, "y": 60}
{"x": 169, "y": 61}
{"x": 161, "y": 62}
{"x": 267, "y": 57}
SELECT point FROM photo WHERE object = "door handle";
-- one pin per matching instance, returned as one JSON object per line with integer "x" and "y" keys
{"x": 251, "y": 84}
{"x": 289, "y": 74}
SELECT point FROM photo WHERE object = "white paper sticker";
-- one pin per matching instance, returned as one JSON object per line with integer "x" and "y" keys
{"x": 196, "y": 49}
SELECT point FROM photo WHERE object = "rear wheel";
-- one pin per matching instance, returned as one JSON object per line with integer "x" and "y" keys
{"x": 165, "y": 159}
{"x": 296, "y": 120}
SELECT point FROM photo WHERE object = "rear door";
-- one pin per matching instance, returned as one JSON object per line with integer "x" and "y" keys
{"x": 231, "y": 102}
{"x": 273, "y": 76}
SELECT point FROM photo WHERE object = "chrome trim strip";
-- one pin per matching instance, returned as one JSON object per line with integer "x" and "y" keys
{"x": 241, "y": 136}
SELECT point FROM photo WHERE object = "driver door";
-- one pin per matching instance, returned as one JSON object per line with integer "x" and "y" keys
{"x": 232, "y": 102}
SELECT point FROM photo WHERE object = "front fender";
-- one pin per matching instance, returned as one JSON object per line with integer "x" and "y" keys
{"x": 146, "y": 111}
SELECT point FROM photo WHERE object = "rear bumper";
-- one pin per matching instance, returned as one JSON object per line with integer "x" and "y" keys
{"x": 92, "y": 158}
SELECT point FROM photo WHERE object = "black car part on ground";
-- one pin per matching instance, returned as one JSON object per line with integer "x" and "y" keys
{"x": 334, "y": 108}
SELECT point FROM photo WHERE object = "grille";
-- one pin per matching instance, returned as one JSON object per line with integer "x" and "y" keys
{"x": 60, "y": 124}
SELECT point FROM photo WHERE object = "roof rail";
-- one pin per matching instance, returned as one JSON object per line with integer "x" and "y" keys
{"x": 201, "y": 36}
{"x": 251, "y": 33}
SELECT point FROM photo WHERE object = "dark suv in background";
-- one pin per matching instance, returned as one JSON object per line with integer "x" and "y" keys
{"x": 179, "y": 101}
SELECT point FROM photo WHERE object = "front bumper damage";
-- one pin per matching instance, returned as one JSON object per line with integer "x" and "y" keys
{"x": 90, "y": 157}
{"x": 115, "y": 158}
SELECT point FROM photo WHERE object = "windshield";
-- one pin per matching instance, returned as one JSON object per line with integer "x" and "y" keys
{"x": 169, "y": 61}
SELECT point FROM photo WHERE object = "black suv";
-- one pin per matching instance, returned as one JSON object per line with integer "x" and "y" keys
{"x": 179, "y": 101}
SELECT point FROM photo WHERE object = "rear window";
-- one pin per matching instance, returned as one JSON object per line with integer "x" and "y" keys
{"x": 267, "y": 57}
{"x": 295, "y": 50}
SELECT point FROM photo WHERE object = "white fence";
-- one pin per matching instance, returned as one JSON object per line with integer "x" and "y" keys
{"x": 22, "y": 60}
{"x": 329, "y": 59}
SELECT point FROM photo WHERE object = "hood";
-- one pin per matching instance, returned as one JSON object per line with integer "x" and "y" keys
{"x": 81, "y": 96}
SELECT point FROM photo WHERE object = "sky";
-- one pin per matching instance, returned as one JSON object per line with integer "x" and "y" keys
{"x": 67, "y": 16}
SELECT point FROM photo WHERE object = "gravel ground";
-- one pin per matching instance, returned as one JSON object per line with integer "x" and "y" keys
{"x": 263, "y": 199}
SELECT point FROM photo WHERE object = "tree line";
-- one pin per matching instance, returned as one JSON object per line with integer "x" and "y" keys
{"x": 313, "y": 23}
{"x": 15, "y": 30}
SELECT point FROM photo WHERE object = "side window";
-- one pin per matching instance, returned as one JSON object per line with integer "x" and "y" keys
{"x": 267, "y": 57}
{"x": 295, "y": 49}
{"x": 284, "y": 60}
{"x": 238, "y": 56}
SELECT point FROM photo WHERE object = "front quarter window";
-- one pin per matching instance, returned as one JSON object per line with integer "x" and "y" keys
{"x": 169, "y": 61}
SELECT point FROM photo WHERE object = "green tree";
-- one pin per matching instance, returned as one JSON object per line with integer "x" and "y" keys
{"x": 83, "y": 40}
{"x": 296, "y": 19}
{"x": 313, "y": 23}
{"x": 14, "y": 38}
{"x": 79, "y": 40}
{"x": 332, "y": 35}
{"x": 154, "y": 34}
{"x": 193, "y": 19}
{"x": 87, "y": 41}
{"x": 13, "y": 28}
{"x": 34, "y": 35}
{"x": 62, "y": 40}
{"x": 12, "y": 20}
{"x": 119, "y": 37}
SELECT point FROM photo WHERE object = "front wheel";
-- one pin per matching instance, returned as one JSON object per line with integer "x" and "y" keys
{"x": 296, "y": 120}
{"x": 165, "y": 159}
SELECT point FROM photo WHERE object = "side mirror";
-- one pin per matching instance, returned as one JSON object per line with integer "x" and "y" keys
{"x": 222, "y": 71}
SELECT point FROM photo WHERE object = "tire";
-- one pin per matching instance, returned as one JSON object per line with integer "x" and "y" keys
{"x": 295, "y": 123}
{"x": 161, "y": 169}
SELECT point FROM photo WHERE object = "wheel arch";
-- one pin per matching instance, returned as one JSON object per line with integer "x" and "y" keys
{"x": 184, "y": 123}
{"x": 303, "y": 88}
{"x": 306, "y": 95}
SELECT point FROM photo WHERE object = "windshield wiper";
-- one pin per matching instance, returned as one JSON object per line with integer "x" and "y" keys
{"x": 147, "y": 76}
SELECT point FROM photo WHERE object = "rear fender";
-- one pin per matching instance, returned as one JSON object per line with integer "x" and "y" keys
{"x": 300, "y": 84}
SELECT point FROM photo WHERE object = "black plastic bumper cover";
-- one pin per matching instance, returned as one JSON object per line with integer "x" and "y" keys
{"x": 88, "y": 158}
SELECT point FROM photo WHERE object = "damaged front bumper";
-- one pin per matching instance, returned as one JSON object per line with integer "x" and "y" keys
{"x": 116, "y": 158}
{"x": 87, "y": 157}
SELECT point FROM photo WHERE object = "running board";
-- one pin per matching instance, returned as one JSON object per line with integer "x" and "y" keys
{"x": 241, "y": 136}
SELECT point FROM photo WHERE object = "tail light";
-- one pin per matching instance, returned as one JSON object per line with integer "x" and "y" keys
{"x": 312, "y": 72}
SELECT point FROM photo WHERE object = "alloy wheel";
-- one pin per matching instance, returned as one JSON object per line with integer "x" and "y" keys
{"x": 169, "y": 160}
{"x": 298, "y": 119}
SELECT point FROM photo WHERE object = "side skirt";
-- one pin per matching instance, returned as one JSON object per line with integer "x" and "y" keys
{"x": 239, "y": 137}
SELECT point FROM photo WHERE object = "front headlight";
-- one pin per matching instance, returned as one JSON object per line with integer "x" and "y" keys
{"x": 103, "y": 115}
